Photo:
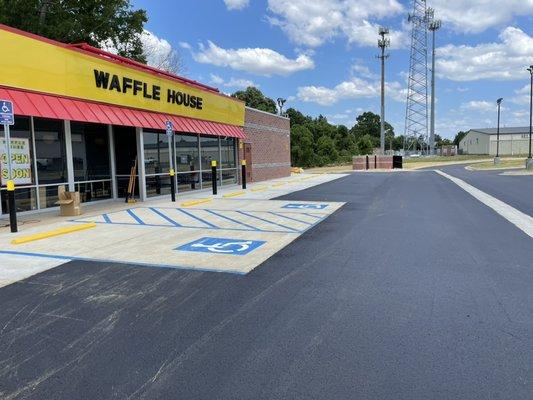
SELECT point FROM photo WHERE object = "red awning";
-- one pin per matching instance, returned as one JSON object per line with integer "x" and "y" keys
{"x": 50, "y": 106}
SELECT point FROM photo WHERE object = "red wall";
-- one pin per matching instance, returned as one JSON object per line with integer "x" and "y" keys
{"x": 269, "y": 136}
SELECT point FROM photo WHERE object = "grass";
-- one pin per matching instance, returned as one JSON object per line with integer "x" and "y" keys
{"x": 466, "y": 157}
{"x": 504, "y": 164}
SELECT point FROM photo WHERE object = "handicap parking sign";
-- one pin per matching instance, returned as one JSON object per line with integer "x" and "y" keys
{"x": 238, "y": 247}
{"x": 305, "y": 206}
{"x": 6, "y": 112}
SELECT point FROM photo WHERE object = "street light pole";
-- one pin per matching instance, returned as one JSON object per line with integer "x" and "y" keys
{"x": 529, "y": 161}
{"x": 497, "y": 158}
{"x": 383, "y": 43}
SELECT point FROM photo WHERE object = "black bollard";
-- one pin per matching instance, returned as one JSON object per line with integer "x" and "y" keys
{"x": 172, "y": 185}
{"x": 214, "y": 175}
{"x": 243, "y": 163}
{"x": 12, "y": 206}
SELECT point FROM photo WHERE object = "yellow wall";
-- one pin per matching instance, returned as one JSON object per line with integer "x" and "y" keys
{"x": 36, "y": 65}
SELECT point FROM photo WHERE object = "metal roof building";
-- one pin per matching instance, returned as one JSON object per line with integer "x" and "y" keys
{"x": 513, "y": 141}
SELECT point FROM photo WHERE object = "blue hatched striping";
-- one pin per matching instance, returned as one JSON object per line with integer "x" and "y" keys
{"x": 314, "y": 216}
{"x": 198, "y": 218}
{"x": 266, "y": 220}
{"x": 164, "y": 216}
{"x": 135, "y": 217}
{"x": 106, "y": 218}
{"x": 233, "y": 220}
{"x": 291, "y": 218}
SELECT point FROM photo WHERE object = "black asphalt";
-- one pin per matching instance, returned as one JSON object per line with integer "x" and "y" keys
{"x": 413, "y": 290}
{"x": 517, "y": 191}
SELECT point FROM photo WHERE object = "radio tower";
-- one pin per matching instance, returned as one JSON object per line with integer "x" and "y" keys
{"x": 416, "y": 115}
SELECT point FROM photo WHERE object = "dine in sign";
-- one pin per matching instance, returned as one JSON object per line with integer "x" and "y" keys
{"x": 20, "y": 161}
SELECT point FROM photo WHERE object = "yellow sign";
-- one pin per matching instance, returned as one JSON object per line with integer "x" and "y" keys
{"x": 20, "y": 161}
{"x": 43, "y": 66}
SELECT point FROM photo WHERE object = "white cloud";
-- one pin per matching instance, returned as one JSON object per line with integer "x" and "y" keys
{"x": 312, "y": 23}
{"x": 233, "y": 82}
{"x": 236, "y": 4}
{"x": 185, "y": 45}
{"x": 353, "y": 88}
{"x": 505, "y": 60}
{"x": 522, "y": 96}
{"x": 478, "y": 15}
{"x": 479, "y": 106}
{"x": 260, "y": 61}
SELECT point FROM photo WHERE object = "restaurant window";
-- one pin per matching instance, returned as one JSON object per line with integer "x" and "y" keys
{"x": 25, "y": 193}
{"x": 209, "y": 148}
{"x": 156, "y": 163}
{"x": 90, "y": 153}
{"x": 187, "y": 162}
{"x": 51, "y": 159}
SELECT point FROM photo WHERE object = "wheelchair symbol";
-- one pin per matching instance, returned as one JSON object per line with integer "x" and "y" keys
{"x": 228, "y": 247}
{"x": 222, "y": 246}
{"x": 5, "y": 107}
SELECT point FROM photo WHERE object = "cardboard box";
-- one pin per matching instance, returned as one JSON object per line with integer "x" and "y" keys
{"x": 69, "y": 202}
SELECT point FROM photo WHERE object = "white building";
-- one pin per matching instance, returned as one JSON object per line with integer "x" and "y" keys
{"x": 513, "y": 141}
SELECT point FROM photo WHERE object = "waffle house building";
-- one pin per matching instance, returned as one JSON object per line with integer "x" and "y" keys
{"x": 85, "y": 117}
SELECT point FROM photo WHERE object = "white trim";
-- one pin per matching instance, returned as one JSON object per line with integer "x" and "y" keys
{"x": 266, "y": 112}
{"x": 68, "y": 152}
{"x": 112, "y": 162}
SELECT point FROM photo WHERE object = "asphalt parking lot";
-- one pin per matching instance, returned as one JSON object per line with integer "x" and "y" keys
{"x": 401, "y": 293}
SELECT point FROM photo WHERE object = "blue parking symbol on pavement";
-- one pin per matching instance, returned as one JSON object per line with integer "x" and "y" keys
{"x": 237, "y": 247}
{"x": 304, "y": 206}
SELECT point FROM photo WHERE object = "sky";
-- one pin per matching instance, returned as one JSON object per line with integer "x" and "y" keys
{"x": 320, "y": 55}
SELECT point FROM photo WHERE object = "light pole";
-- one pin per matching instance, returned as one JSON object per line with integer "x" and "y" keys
{"x": 281, "y": 102}
{"x": 433, "y": 26}
{"x": 529, "y": 161}
{"x": 383, "y": 43}
{"x": 497, "y": 158}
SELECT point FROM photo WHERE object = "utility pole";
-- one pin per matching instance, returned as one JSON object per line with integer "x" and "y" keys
{"x": 383, "y": 43}
{"x": 281, "y": 102}
{"x": 529, "y": 161}
{"x": 497, "y": 158}
{"x": 433, "y": 26}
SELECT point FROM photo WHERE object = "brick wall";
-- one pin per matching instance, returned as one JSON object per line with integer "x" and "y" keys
{"x": 269, "y": 136}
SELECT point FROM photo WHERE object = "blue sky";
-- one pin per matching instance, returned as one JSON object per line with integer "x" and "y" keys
{"x": 320, "y": 54}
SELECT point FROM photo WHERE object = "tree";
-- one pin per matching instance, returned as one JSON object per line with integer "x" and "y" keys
{"x": 460, "y": 136}
{"x": 110, "y": 23}
{"x": 366, "y": 144}
{"x": 254, "y": 98}
{"x": 369, "y": 123}
{"x": 345, "y": 143}
{"x": 326, "y": 150}
{"x": 297, "y": 118}
{"x": 302, "y": 152}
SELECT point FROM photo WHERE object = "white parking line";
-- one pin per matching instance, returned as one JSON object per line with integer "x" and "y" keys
{"x": 521, "y": 220}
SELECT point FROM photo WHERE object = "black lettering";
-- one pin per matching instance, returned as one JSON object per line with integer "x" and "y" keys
{"x": 146, "y": 95}
{"x": 171, "y": 96}
{"x": 126, "y": 84}
{"x": 193, "y": 102}
{"x": 156, "y": 92}
{"x": 186, "y": 98}
{"x": 199, "y": 103}
{"x": 137, "y": 87}
{"x": 115, "y": 84}
{"x": 179, "y": 98}
{"x": 101, "y": 78}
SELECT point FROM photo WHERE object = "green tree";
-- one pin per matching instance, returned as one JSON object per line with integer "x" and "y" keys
{"x": 254, "y": 98}
{"x": 345, "y": 143}
{"x": 302, "y": 152}
{"x": 366, "y": 144}
{"x": 326, "y": 150}
{"x": 460, "y": 136}
{"x": 96, "y": 22}
{"x": 369, "y": 123}
{"x": 297, "y": 118}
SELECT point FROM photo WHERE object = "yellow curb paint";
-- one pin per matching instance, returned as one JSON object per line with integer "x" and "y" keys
{"x": 259, "y": 189}
{"x": 55, "y": 232}
{"x": 194, "y": 202}
{"x": 234, "y": 194}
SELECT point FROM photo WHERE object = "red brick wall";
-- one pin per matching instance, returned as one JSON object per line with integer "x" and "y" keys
{"x": 269, "y": 136}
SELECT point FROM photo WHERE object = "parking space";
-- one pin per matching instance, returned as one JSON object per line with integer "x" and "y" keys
{"x": 225, "y": 234}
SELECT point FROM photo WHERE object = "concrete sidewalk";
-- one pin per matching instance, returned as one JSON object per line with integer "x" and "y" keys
{"x": 233, "y": 231}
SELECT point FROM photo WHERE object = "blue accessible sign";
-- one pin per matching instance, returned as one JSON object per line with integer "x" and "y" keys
{"x": 214, "y": 245}
{"x": 304, "y": 206}
{"x": 6, "y": 112}
{"x": 169, "y": 128}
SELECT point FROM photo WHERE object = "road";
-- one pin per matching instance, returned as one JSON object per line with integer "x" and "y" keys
{"x": 401, "y": 294}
